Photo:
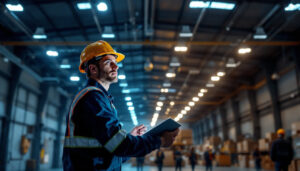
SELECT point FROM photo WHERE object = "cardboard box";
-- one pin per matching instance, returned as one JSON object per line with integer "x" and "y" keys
{"x": 223, "y": 160}
{"x": 186, "y": 133}
{"x": 243, "y": 161}
{"x": 264, "y": 145}
{"x": 267, "y": 163}
{"x": 239, "y": 146}
{"x": 229, "y": 147}
{"x": 214, "y": 141}
{"x": 271, "y": 136}
{"x": 249, "y": 146}
{"x": 296, "y": 128}
{"x": 187, "y": 141}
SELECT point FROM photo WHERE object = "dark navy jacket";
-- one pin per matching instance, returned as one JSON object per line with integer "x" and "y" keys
{"x": 282, "y": 152}
{"x": 100, "y": 143}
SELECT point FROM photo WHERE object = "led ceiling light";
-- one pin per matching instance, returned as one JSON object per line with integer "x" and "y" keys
{"x": 52, "y": 53}
{"x": 160, "y": 104}
{"x": 260, "y": 33}
{"x": 231, "y": 63}
{"x": 171, "y": 73}
{"x": 108, "y": 33}
{"x": 210, "y": 85}
{"x": 75, "y": 78}
{"x": 203, "y": 90}
{"x": 15, "y": 7}
{"x": 180, "y": 48}
{"x": 186, "y": 31}
{"x": 200, "y": 94}
{"x": 174, "y": 62}
{"x": 102, "y": 6}
{"x": 122, "y": 77}
{"x": 195, "y": 99}
{"x": 244, "y": 50}
{"x": 191, "y": 103}
{"x": 129, "y": 104}
{"x": 65, "y": 64}
{"x": 221, "y": 74}
{"x": 127, "y": 98}
{"x": 292, "y": 7}
{"x": 215, "y": 78}
{"x": 183, "y": 112}
{"x": 167, "y": 84}
{"x": 39, "y": 33}
{"x": 158, "y": 108}
{"x": 187, "y": 108}
{"x": 172, "y": 103}
{"x": 84, "y": 5}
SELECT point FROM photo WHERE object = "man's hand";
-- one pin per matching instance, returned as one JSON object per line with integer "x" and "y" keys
{"x": 167, "y": 138}
{"x": 139, "y": 130}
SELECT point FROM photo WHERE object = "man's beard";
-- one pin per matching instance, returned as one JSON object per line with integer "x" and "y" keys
{"x": 105, "y": 75}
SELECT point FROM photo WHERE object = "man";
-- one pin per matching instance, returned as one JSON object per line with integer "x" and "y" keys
{"x": 94, "y": 138}
{"x": 281, "y": 152}
{"x": 208, "y": 157}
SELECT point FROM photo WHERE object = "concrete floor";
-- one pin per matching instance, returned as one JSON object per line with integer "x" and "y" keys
{"x": 128, "y": 167}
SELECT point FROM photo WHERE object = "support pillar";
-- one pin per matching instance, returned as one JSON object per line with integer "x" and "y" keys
{"x": 254, "y": 114}
{"x": 12, "y": 91}
{"x": 237, "y": 118}
{"x": 223, "y": 114}
{"x": 36, "y": 144}
{"x": 273, "y": 89}
{"x": 207, "y": 124}
{"x": 296, "y": 56}
{"x": 215, "y": 124}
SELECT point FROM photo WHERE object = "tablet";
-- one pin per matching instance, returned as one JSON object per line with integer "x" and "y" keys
{"x": 167, "y": 125}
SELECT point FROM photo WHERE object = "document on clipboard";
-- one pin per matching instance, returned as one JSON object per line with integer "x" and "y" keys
{"x": 167, "y": 125}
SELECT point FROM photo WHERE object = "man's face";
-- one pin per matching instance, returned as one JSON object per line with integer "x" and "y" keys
{"x": 108, "y": 69}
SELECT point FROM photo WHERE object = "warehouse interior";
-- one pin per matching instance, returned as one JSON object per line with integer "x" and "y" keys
{"x": 227, "y": 71}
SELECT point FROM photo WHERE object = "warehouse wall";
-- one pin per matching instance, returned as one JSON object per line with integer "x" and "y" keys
{"x": 289, "y": 100}
{"x": 23, "y": 118}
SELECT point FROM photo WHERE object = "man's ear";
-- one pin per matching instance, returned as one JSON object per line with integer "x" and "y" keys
{"x": 93, "y": 68}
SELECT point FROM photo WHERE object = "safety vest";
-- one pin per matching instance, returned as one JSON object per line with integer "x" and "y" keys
{"x": 72, "y": 141}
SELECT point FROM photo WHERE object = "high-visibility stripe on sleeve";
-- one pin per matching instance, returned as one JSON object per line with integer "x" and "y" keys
{"x": 115, "y": 141}
{"x": 81, "y": 142}
{"x": 75, "y": 101}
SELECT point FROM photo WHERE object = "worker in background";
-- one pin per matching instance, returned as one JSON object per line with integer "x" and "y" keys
{"x": 94, "y": 138}
{"x": 140, "y": 163}
{"x": 281, "y": 152}
{"x": 208, "y": 157}
{"x": 193, "y": 158}
{"x": 159, "y": 159}
{"x": 177, "y": 158}
{"x": 257, "y": 159}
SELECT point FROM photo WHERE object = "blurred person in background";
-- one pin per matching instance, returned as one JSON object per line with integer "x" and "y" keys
{"x": 177, "y": 158}
{"x": 257, "y": 159}
{"x": 159, "y": 159}
{"x": 140, "y": 163}
{"x": 193, "y": 158}
{"x": 208, "y": 157}
{"x": 281, "y": 152}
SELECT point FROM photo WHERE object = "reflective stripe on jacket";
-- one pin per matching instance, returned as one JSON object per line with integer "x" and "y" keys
{"x": 94, "y": 137}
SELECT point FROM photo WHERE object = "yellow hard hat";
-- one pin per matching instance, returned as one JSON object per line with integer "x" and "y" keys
{"x": 280, "y": 131}
{"x": 95, "y": 49}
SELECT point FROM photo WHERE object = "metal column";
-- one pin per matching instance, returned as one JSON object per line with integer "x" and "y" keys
{"x": 254, "y": 114}
{"x": 296, "y": 56}
{"x": 223, "y": 114}
{"x": 215, "y": 124}
{"x": 57, "y": 142}
{"x": 273, "y": 89}
{"x": 237, "y": 118}
{"x": 207, "y": 124}
{"x": 202, "y": 131}
{"x": 13, "y": 82}
{"x": 36, "y": 144}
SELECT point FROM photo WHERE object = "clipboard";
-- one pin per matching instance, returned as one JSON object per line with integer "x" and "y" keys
{"x": 167, "y": 125}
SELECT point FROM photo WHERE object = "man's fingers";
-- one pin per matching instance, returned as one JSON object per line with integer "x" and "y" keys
{"x": 140, "y": 126}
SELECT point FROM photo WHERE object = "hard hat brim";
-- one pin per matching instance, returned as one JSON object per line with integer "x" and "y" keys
{"x": 119, "y": 58}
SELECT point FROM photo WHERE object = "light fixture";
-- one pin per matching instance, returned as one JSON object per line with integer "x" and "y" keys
{"x": 160, "y": 103}
{"x": 102, "y": 6}
{"x": 39, "y": 33}
{"x": 15, "y": 7}
{"x": 186, "y": 31}
{"x": 84, "y": 5}
{"x": 172, "y": 103}
{"x": 200, "y": 94}
{"x": 199, "y": 4}
{"x": 210, "y": 85}
{"x": 65, "y": 64}
{"x": 171, "y": 73}
{"x": 260, "y": 33}
{"x": 231, "y": 63}
{"x": 203, "y": 90}
{"x": 221, "y": 74}
{"x": 176, "y": 119}
{"x": 195, "y": 99}
{"x": 215, "y": 78}
{"x": 127, "y": 98}
{"x": 158, "y": 108}
{"x": 180, "y": 115}
{"x": 244, "y": 50}
{"x": 130, "y": 108}
{"x": 129, "y": 103}
{"x": 123, "y": 84}
{"x": 75, "y": 78}
{"x": 183, "y": 112}
{"x": 292, "y": 7}
{"x": 148, "y": 66}
{"x": 108, "y": 33}
{"x": 191, "y": 103}
{"x": 52, "y": 53}
{"x": 122, "y": 77}
{"x": 174, "y": 62}
{"x": 164, "y": 90}
{"x": 180, "y": 48}
{"x": 167, "y": 84}
{"x": 222, "y": 5}
{"x": 125, "y": 91}
{"x": 187, "y": 108}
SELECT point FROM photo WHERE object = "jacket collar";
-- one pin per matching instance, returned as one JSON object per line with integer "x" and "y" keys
{"x": 92, "y": 82}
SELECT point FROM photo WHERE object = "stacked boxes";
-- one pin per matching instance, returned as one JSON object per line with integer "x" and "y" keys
{"x": 267, "y": 163}
{"x": 248, "y": 146}
{"x": 186, "y": 136}
{"x": 296, "y": 128}
{"x": 229, "y": 147}
{"x": 223, "y": 160}
{"x": 270, "y": 136}
{"x": 264, "y": 144}
{"x": 214, "y": 141}
{"x": 243, "y": 161}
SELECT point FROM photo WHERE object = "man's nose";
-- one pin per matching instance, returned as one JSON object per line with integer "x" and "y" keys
{"x": 115, "y": 65}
